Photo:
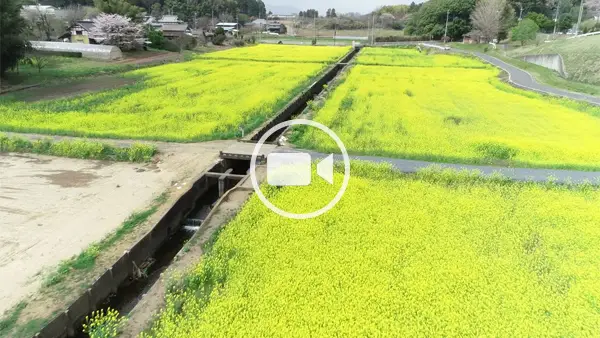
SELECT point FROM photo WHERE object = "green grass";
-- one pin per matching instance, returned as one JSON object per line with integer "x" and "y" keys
{"x": 541, "y": 74}
{"x": 8, "y": 321}
{"x": 580, "y": 55}
{"x": 86, "y": 260}
{"x": 83, "y": 149}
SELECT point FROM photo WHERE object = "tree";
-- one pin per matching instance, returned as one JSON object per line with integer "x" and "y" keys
{"x": 42, "y": 25}
{"x": 486, "y": 18}
{"x": 545, "y": 23}
{"x": 156, "y": 11}
{"x": 38, "y": 62}
{"x": 565, "y": 22}
{"x": 13, "y": 44}
{"x": 431, "y": 18}
{"x": 120, "y": 7}
{"x": 333, "y": 15}
{"x": 311, "y": 13}
{"x": 156, "y": 37}
{"x": 328, "y": 13}
{"x": 74, "y": 13}
{"x": 593, "y": 7}
{"x": 118, "y": 30}
{"x": 526, "y": 30}
{"x": 243, "y": 18}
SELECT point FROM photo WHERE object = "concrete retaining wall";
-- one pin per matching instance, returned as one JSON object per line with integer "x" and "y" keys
{"x": 67, "y": 323}
{"x": 550, "y": 61}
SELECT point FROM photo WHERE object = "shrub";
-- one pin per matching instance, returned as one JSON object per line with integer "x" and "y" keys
{"x": 137, "y": 152}
{"x": 239, "y": 43}
{"x": 401, "y": 38}
{"x": 493, "y": 150}
{"x": 218, "y": 39}
{"x": 187, "y": 42}
{"x": 170, "y": 45}
{"x": 156, "y": 37}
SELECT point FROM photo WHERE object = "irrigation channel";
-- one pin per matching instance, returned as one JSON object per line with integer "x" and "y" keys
{"x": 123, "y": 285}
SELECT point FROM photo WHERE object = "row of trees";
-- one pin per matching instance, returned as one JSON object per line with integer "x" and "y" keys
{"x": 310, "y": 13}
{"x": 495, "y": 18}
{"x": 186, "y": 10}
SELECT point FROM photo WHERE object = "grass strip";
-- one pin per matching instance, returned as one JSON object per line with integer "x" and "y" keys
{"x": 84, "y": 149}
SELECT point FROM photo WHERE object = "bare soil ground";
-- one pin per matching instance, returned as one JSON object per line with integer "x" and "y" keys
{"x": 53, "y": 208}
{"x": 78, "y": 87}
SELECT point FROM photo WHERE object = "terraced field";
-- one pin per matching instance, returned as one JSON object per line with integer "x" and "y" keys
{"x": 192, "y": 101}
{"x": 435, "y": 112}
{"x": 438, "y": 253}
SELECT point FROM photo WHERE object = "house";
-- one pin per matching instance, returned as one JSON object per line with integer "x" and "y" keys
{"x": 229, "y": 27}
{"x": 258, "y": 24}
{"x": 174, "y": 31}
{"x": 282, "y": 17}
{"x": 81, "y": 32}
{"x": 165, "y": 19}
{"x": 276, "y": 27}
{"x": 170, "y": 26}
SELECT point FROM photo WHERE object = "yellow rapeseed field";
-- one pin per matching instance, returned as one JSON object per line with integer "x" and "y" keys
{"x": 282, "y": 53}
{"x": 433, "y": 254}
{"x": 190, "y": 101}
{"x": 411, "y": 57}
{"x": 455, "y": 115}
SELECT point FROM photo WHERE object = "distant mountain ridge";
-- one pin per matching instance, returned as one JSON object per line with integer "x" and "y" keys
{"x": 282, "y": 9}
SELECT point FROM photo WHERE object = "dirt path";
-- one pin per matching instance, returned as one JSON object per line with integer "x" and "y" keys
{"x": 71, "y": 89}
{"x": 52, "y": 208}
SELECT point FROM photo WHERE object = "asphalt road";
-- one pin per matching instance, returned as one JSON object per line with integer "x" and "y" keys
{"x": 515, "y": 174}
{"x": 523, "y": 79}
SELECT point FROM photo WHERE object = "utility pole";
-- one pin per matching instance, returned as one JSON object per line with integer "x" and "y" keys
{"x": 368, "y": 29}
{"x": 579, "y": 19}
{"x": 556, "y": 16}
{"x": 315, "y": 25}
{"x": 334, "y": 30}
{"x": 521, "y": 12}
{"x": 446, "y": 29}
{"x": 373, "y": 30}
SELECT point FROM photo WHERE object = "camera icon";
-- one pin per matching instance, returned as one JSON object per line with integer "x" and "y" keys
{"x": 294, "y": 169}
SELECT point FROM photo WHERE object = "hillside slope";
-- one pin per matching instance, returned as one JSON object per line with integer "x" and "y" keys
{"x": 581, "y": 56}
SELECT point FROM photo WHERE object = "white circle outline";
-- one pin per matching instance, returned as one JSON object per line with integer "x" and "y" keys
{"x": 270, "y": 205}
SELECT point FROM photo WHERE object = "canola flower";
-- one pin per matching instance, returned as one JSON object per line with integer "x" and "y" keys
{"x": 456, "y": 115}
{"x": 439, "y": 253}
{"x": 104, "y": 324}
{"x": 411, "y": 57}
{"x": 281, "y": 53}
{"x": 191, "y": 101}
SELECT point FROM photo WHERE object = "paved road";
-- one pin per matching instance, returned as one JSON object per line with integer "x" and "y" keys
{"x": 523, "y": 79}
{"x": 516, "y": 174}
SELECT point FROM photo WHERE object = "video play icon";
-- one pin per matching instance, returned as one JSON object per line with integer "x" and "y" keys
{"x": 294, "y": 169}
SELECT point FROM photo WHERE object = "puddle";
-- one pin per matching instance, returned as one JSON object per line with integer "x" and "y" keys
{"x": 70, "y": 178}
